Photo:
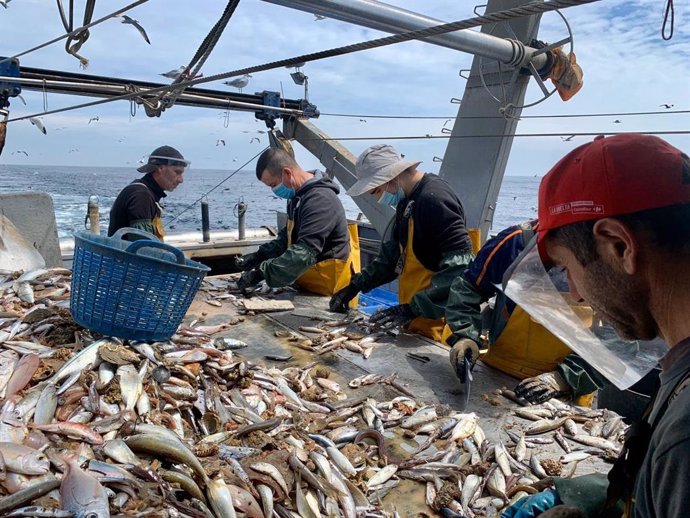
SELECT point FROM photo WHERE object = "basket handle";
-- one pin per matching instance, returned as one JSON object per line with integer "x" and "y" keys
{"x": 145, "y": 243}
{"x": 134, "y": 231}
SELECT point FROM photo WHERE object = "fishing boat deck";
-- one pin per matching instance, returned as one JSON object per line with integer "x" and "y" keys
{"x": 432, "y": 382}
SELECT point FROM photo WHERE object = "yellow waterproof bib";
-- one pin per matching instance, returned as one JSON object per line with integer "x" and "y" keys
{"x": 157, "y": 223}
{"x": 413, "y": 279}
{"x": 329, "y": 276}
{"x": 525, "y": 348}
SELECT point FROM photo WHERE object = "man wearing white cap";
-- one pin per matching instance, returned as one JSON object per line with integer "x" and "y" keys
{"x": 428, "y": 246}
{"x": 137, "y": 205}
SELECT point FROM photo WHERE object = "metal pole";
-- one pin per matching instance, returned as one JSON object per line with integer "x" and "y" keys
{"x": 241, "y": 208}
{"x": 205, "y": 223}
{"x": 388, "y": 18}
{"x": 92, "y": 216}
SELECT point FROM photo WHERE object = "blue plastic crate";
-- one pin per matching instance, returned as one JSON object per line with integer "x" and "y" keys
{"x": 376, "y": 299}
{"x": 137, "y": 290}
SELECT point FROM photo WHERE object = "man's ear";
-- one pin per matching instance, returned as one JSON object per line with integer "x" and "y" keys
{"x": 618, "y": 244}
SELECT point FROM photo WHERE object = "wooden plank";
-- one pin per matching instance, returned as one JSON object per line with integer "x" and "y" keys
{"x": 264, "y": 306}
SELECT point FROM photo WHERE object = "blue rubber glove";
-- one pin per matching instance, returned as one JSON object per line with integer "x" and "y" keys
{"x": 533, "y": 505}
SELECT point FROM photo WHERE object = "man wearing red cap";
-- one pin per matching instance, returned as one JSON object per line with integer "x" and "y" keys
{"x": 615, "y": 215}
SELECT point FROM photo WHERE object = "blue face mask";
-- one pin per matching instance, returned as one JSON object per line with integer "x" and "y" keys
{"x": 392, "y": 199}
{"x": 284, "y": 192}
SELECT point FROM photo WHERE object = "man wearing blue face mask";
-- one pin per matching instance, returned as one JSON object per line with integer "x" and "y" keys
{"x": 317, "y": 249}
{"x": 428, "y": 246}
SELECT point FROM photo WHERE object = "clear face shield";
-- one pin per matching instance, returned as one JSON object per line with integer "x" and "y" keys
{"x": 166, "y": 160}
{"x": 544, "y": 295}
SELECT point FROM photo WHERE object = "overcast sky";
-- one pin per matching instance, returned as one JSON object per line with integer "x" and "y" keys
{"x": 627, "y": 67}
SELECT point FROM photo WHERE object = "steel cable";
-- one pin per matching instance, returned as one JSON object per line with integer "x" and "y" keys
{"x": 500, "y": 16}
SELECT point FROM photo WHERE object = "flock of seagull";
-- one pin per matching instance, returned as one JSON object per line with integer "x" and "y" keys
{"x": 240, "y": 83}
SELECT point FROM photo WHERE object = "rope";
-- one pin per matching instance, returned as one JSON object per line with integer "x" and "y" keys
{"x": 557, "y": 116}
{"x": 77, "y": 30}
{"x": 669, "y": 10}
{"x": 215, "y": 187}
{"x": 167, "y": 99}
{"x": 213, "y": 36}
{"x": 80, "y": 36}
{"x": 499, "y": 16}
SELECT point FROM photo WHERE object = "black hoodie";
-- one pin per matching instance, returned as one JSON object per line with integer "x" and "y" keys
{"x": 320, "y": 221}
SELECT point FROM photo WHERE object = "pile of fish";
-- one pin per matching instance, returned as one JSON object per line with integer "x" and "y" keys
{"x": 91, "y": 426}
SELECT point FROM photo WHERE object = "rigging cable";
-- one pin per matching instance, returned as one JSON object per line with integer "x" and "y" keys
{"x": 215, "y": 187}
{"x": 76, "y": 31}
{"x": 500, "y": 135}
{"x": 499, "y": 16}
{"x": 557, "y": 116}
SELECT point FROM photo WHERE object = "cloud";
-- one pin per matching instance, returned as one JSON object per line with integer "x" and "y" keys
{"x": 628, "y": 67}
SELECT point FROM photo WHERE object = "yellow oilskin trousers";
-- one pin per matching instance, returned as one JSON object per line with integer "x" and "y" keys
{"x": 413, "y": 279}
{"x": 329, "y": 276}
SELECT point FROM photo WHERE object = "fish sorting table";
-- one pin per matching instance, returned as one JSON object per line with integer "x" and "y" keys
{"x": 262, "y": 415}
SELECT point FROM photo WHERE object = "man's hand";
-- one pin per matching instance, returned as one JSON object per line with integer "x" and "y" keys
{"x": 248, "y": 261}
{"x": 463, "y": 348}
{"x": 533, "y": 505}
{"x": 249, "y": 280}
{"x": 341, "y": 299}
{"x": 543, "y": 387}
{"x": 398, "y": 316}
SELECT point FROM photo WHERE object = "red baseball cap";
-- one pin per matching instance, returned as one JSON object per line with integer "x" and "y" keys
{"x": 612, "y": 176}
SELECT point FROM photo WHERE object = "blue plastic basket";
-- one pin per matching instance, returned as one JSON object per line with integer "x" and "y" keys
{"x": 137, "y": 290}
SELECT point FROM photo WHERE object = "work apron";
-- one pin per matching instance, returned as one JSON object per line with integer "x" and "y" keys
{"x": 328, "y": 276}
{"x": 415, "y": 277}
{"x": 525, "y": 348}
{"x": 157, "y": 221}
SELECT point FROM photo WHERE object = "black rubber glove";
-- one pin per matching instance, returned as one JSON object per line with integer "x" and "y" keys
{"x": 249, "y": 280}
{"x": 545, "y": 386}
{"x": 397, "y": 315}
{"x": 340, "y": 300}
{"x": 463, "y": 348}
{"x": 248, "y": 261}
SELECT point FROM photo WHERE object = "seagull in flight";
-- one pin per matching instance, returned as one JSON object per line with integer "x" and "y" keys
{"x": 75, "y": 150}
{"x": 362, "y": 120}
{"x": 239, "y": 82}
{"x": 20, "y": 151}
{"x": 39, "y": 124}
{"x": 94, "y": 119}
{"x": 667, "y": 106}
{"x": 255, "y": 138}
{"x": 4, "y": 4}
{"x": 568, "y": 139}
{"x": 131, "y": 21}
{"x": 219, "y": 142}
{"x": 319, "y": 17}
{"x": 617, "y": 121}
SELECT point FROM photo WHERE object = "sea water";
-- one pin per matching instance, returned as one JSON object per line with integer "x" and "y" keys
{"x": 70, "y": 188}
